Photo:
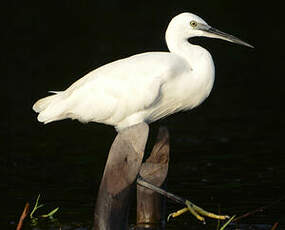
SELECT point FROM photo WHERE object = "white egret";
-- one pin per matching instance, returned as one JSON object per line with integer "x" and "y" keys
{"x": 143, "y": 87}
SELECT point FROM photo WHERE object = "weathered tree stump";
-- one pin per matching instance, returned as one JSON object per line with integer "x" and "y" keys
{"x": 150, "y": 204}
{"x": 121, "y": 170}
{"x": 124, "y": 164}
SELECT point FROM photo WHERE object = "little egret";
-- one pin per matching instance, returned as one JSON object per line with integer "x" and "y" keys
{"x": 144, "y": 87}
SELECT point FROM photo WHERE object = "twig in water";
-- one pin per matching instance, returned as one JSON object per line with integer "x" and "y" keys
{"x": 274, "y": 226}
{"x": 23, "y": 216}
{"x": 261, "y": 209}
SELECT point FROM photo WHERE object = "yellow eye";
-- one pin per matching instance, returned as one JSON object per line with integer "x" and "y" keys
{"x": 193, "y": 24}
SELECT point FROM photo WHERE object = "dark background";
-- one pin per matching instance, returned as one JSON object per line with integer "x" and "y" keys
{"x": 227, "y": 153}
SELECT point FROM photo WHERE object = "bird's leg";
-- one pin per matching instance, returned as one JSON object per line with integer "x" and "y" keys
{"x": 192, "y": 208}
{"x": 197, "y": 212}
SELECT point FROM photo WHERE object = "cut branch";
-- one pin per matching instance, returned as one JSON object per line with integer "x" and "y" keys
{"x": 121, "y": 170}
{"x": 150, "y": 205}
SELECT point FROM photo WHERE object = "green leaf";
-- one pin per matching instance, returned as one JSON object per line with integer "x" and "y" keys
{"x": 50, "y": 214}
{"x": 35, "y": 207}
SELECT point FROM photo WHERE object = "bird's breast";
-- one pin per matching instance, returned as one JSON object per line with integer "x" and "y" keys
{"x": 192, "y": 89}
{"x": 185, "y": 91}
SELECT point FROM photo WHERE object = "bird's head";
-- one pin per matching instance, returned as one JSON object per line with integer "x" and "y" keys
{"x": 187, "y": 25}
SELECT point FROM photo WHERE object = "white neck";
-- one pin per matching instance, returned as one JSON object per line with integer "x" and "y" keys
{"x": 178, "y": 44}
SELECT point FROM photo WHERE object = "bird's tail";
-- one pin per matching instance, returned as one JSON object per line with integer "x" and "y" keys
{"x": 49, "y": 108}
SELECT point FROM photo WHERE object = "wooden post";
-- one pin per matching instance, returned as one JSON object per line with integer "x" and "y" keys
{"x": 121, "y": 170}
{"x": 150, "y": 213}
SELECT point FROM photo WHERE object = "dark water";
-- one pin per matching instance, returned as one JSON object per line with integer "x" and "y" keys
{"x": 226, "y": 155}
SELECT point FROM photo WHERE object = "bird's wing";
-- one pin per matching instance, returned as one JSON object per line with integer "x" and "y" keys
{"x": 121, "y": 88}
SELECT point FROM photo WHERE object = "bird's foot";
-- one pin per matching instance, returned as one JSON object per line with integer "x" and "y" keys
{"x": 197, "y": 212}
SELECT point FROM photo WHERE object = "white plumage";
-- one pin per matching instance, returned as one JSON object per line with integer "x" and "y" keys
{"x": 143, "y": 87}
